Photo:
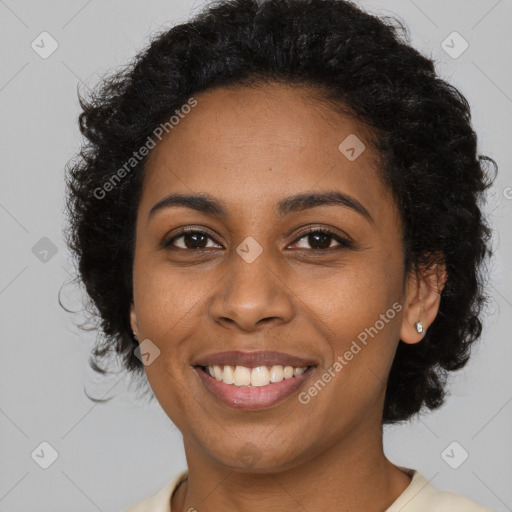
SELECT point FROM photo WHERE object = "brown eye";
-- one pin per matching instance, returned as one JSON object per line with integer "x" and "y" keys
{"x": 193, "y": 239}
{"x": 320, "y": 239}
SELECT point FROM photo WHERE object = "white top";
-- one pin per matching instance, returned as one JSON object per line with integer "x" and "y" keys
{"x": 419, "y": 496}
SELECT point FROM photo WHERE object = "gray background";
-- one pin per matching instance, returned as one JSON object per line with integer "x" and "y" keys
{"x": 110, "y": 456}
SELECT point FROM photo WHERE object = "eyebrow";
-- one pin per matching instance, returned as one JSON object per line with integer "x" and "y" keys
{"x": 207, "y": 204}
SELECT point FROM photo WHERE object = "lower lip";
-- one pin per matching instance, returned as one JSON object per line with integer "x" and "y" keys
{"x": 252, "y": 397}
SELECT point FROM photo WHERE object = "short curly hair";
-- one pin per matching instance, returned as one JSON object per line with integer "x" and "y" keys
{"x": 361, "y": 64}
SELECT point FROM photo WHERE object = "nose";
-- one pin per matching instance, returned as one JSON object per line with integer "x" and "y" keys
{"x": 252, "y": 295}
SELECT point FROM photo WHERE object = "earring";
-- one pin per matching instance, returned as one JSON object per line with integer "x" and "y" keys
{"x": 419, "y": 327}
{"x": 135, "y": 335}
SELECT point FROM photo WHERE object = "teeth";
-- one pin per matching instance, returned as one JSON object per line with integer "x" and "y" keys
{"x": 260, "y": 376}
{"x": 242, "y": 376}
{"x": 257, "y": 377}
{"x": 276, "y": 374}
{"x": 217, "y": 372}
{"x": 229, "y": 375}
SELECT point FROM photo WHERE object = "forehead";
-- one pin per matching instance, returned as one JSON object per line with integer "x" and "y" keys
{"x": 261, "y": 144}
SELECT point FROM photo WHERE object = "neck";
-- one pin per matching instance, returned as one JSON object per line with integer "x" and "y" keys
{"x": 354, "y": 474}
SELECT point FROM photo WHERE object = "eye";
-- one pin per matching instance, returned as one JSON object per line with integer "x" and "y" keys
{"x": 197, "y": 239}
{"x": 322, "y": 238}
{"x": 192, "y": 238}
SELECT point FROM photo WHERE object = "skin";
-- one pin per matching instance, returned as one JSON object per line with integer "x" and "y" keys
{"x": 250, "y": 148}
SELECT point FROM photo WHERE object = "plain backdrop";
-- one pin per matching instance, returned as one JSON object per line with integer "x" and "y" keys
{"x": 110, "y": 456}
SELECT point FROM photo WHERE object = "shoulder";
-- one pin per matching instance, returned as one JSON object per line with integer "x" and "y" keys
{"x": 419, "y": 496}
{"x": 161, "y": 501}
{"x": 422, "y": 496}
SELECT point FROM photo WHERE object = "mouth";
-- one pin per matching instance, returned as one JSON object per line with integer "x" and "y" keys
{"x": 253, "y": 387}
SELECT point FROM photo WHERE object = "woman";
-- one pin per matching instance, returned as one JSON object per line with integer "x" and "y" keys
{"x": 277, "y": 220}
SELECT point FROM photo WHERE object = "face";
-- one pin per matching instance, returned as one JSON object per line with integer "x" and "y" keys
{"x": 253, "y": 279}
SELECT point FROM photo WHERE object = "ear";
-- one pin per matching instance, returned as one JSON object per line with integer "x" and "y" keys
{"x": 422, "y": 299}
{"x": 133, "y": 320}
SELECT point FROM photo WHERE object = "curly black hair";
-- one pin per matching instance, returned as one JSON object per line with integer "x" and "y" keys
{"x": 359, "y": 63}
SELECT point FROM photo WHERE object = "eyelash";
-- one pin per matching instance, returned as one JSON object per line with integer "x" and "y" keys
{"x": 344, "y": 243}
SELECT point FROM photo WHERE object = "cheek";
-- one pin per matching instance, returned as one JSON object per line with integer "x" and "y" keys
{"x": 354, "y": 297}
{"x": 165, "y": 306}
{"x": 359, "y": 310}
{"x": 165, "y": 298}
{"x": 354, "y": 379}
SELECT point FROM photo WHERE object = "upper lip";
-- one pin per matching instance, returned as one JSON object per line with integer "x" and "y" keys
{"x": 252, "y": 359}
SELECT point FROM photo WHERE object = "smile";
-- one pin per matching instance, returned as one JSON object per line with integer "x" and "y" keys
{"x": 252, "y": 388}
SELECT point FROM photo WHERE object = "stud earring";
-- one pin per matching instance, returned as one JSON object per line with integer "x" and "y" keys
{"x": 419, "y": 327}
